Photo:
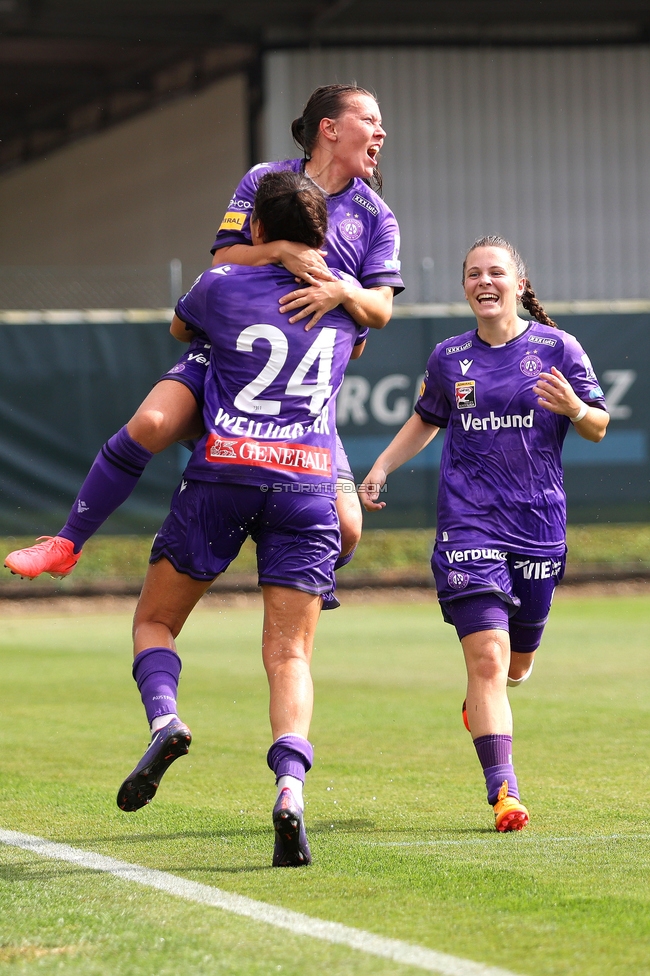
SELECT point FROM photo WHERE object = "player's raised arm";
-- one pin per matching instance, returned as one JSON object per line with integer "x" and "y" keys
{"x": 409, "y": 441}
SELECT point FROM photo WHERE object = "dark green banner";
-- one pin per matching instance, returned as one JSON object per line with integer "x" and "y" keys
{"x": 65, "y": 388}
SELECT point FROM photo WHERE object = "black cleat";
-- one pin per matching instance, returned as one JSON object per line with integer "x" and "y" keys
{"x": 139, "y": 787}
{"x": 291, "y": 846}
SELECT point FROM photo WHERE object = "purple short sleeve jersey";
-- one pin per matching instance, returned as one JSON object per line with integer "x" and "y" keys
{"x": 362, "y": 239}
{"x": 270, "y": 391}
{"x": 501, "y": 479}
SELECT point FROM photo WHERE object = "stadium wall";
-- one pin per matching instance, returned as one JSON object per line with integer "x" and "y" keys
{"x": 149, "y": 190}
{"x": 67, "y": 382}
{"x": 547, "y": 146}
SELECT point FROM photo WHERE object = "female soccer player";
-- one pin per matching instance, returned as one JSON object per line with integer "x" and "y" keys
{"x": 265, "y": 468}
{"x": 341, "y": 134}
{"x": 507, "y": 393}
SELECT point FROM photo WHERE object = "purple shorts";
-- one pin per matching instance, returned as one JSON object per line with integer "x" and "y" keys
{"x": 488, "y": 589}
{"x": 342, "y": 464}
{"x": 296, "y": 533}
{"x": 191, "y": 368}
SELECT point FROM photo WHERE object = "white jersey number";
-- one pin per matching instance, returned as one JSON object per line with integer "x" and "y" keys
{"x": 321, "y": 350}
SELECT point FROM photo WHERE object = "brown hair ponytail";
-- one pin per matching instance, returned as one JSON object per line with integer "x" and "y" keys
{"x": 533, "y": 305}
{"x": 529, "y": 299}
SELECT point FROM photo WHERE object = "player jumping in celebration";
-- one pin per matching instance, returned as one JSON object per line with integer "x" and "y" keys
{"x": 341, "y": 134}
{"x": 265, "y": 468}
{"x": 507, "y": 392}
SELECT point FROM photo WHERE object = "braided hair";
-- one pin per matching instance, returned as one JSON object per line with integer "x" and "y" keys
{"x": 529, "y": 299}
{"x": 290, "y": 207}
{"x": 328, "y": 102}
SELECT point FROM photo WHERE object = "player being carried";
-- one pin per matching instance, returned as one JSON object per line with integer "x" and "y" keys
{"x": 341, "y": 134}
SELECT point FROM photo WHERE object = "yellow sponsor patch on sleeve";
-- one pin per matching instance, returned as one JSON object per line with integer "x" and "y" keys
{"x": 233, "y": 220}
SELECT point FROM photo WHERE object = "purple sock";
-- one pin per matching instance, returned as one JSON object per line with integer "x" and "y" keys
{"x": 113, "y": 476}
{"x": 495, "y": 756}
{"x": 344, "y": 560}
{"x": 290, "y": 755}
{"x": 156, "y": 671}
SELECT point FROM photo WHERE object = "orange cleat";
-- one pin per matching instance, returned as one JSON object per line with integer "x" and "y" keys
{"x": 509, "y": 813}
{"x": 54, "y": 555}
{"x": 465, "y": 719}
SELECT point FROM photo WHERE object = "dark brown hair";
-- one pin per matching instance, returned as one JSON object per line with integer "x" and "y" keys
{"x": 290, "y": 207}
{"x": 327, "y": 102}
{"x": 529, "y": 300}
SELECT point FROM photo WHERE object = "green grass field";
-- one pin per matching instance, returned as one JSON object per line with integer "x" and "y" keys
{"x": 400, "y": 831}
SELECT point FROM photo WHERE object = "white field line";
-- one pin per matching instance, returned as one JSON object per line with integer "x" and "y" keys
{"x": 520, "y": 841}
{"x": 283, "y": 918}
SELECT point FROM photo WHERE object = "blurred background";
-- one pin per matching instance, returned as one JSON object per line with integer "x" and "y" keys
{"x": 124, "y": 128}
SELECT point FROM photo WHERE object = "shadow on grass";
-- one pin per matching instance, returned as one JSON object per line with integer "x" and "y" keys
{"x": 26, "y": 873}
{"x": 350, "y": 826}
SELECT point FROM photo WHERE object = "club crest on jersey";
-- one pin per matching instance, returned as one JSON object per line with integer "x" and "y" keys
{"x": 351, "y": 229}
{"x": 457, "y": 579}
{"x": 465, "y": 394}
{"x": 531, "y": 365}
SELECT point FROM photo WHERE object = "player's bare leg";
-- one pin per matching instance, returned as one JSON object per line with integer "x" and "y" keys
{"x": 166, "y": 601}
{"x": 521, "y": 666}
{"x": 348, "y": 508}
{"x": 290, "y": 618}
{"x": 487, "y": 657}
{"x": 169, "y": 413}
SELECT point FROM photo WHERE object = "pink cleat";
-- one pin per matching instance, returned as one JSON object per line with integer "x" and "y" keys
{"x": 54, "y": 555}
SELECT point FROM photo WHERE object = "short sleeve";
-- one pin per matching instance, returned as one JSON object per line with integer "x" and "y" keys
{"x": 362, "y": 335}
{"x": 235, "y": 226}
{"x": 381, "y": 264}
{"x": 191, "y": 307}
{"x": 432, "y": 404}
{"x": 580, "y": 373}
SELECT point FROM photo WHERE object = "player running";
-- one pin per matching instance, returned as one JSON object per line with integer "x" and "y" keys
{"x": 507, "y": 393}
{"x": 266, "y": 468}
{"x": 341, "y": 134}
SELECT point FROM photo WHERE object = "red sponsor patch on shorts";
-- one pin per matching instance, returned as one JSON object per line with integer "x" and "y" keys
{"x": 273, "y": 455}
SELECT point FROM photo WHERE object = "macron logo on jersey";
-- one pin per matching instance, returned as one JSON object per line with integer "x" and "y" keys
{"x": 465, "y": 365}
{"x": 496, "y": 423}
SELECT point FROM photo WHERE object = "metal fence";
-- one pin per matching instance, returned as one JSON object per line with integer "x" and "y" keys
{"x": 93, "y": 286}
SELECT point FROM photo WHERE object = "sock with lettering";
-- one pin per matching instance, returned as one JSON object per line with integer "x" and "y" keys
{"x": 156, "y": 671}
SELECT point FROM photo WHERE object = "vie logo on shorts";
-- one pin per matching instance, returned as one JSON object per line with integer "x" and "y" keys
{"x": 275, "y": 456}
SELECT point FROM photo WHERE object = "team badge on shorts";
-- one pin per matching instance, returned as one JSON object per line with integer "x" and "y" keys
{"x": 465, "y": 394}
{"x": 351, "y": 229}
{"x": 531, "y": 365}
{"x": 457, "y": 580}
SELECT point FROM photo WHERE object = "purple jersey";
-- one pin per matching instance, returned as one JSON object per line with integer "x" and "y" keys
{"x": 363, "y": 235}
{"x": 269, "y": 408}
{"x": 501, "y": 479}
